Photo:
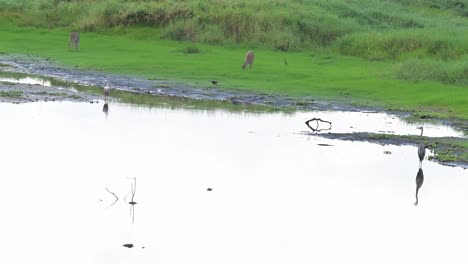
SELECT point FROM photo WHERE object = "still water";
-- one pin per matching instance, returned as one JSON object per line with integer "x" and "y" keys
{"x": 276, "y": 195}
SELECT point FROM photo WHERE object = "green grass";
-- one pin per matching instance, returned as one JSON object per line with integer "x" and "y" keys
{"x": 399, "y": 54}
{"x": 149, "y": 100}
{"x": 11, "y": 94}
{"x": 320, "y": 73}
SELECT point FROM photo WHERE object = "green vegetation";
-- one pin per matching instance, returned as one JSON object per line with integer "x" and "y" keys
{"x": 394, "y": 53}
{"x": 450, "y": 150}
{"x": 11, "y": 94}
{"x": 144, "y": 99}
{"x": 446, "y": 149}
{"x": 6, "y": 83}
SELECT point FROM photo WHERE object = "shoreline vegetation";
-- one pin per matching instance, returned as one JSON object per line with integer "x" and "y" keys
{"x": 451, "y": 151}
{"x": 407, "y": 55}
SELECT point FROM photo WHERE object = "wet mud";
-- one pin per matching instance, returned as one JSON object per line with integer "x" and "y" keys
{"x": 24, "y": 93}
{"x": 43, "y": 67}
{"x": 36, "y": 66}
{"x": 452, "y": 154}
{"x": 446, "y": 152}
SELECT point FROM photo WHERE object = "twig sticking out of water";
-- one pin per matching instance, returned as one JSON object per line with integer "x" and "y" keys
{"x": 116, "y": 198}
{"x": 316, "y": 129}
{"x": 132, "y": 201}
{"x": 133, "y": 190}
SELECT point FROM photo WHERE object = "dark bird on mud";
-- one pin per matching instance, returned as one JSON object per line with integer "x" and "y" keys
{"x": 421, "y": 148}
{"x": 214, "y": 82}
{"x": 419, "y": 183}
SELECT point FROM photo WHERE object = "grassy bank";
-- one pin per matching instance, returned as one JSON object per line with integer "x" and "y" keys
{"x": 317, "y": 73}
{"x": 410, "y": 55}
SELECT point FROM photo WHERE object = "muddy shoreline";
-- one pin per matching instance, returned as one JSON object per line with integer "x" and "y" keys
{"x": 452, "y": 155}
{"x": 35, "y": 66}
{"x": 23, "y": 93}
{"x": 43, "y": 67}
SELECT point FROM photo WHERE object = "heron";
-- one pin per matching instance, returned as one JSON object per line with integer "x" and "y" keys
{"x": 106, "y": 90}
{"x": 419, "y": 182}
{"x": 421, "y": 148}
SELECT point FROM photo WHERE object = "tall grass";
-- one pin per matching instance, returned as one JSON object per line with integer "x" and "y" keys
{"x": 419, "y": 34}
{"x": 441, "y": 71}
{"x": 392, "y": 44}
{"x": 281, "y": 24}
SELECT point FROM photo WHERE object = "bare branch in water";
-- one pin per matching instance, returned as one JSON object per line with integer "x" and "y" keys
{"x": 132, "y": 201}
{"x": 116, "y": 198}
{"x": 317, "y": 129}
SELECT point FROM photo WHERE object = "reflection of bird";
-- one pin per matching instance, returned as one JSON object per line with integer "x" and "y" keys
{"x": 105, "y": 108}
{"x": 214, "y": 82}
{"x": 421, "y": 148}
{"x": 106, "y": 90}
{"x": 419, "y": 182}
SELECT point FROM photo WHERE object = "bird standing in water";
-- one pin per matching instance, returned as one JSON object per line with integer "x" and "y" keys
{"x": 106, "y": 90}
{"x": 421, "y": 148}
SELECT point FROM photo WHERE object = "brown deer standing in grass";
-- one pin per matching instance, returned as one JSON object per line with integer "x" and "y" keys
{"x": 249, "y": 58}
{"x": 74, "y": 40}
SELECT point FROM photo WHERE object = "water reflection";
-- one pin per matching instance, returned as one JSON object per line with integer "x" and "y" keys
{"x": 255, "y": 168}
{"x": 115, "y": 196}
{"x": 105, "y": 108}
{"x": 27, "y": 80}
{"x": 419, "y": 182}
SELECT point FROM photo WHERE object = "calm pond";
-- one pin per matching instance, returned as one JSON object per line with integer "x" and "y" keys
{"x": 214, "y": 186}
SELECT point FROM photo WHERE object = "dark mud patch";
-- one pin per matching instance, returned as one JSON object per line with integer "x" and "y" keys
{"x": 24, "y": 93}
{"x": 449, "y": 151}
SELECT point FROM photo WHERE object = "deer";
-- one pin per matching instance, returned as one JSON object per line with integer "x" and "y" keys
{"x": 74, "y": 40}
{"x": 249, "y": 58}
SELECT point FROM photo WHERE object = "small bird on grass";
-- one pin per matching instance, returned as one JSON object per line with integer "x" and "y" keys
{"x": 214, "y": 82}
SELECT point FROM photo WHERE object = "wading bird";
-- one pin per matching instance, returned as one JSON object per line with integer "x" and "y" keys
{"x": 106, "y": 90}
{"x": 419, "y": 182}
{"x": 421, "y": 148}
